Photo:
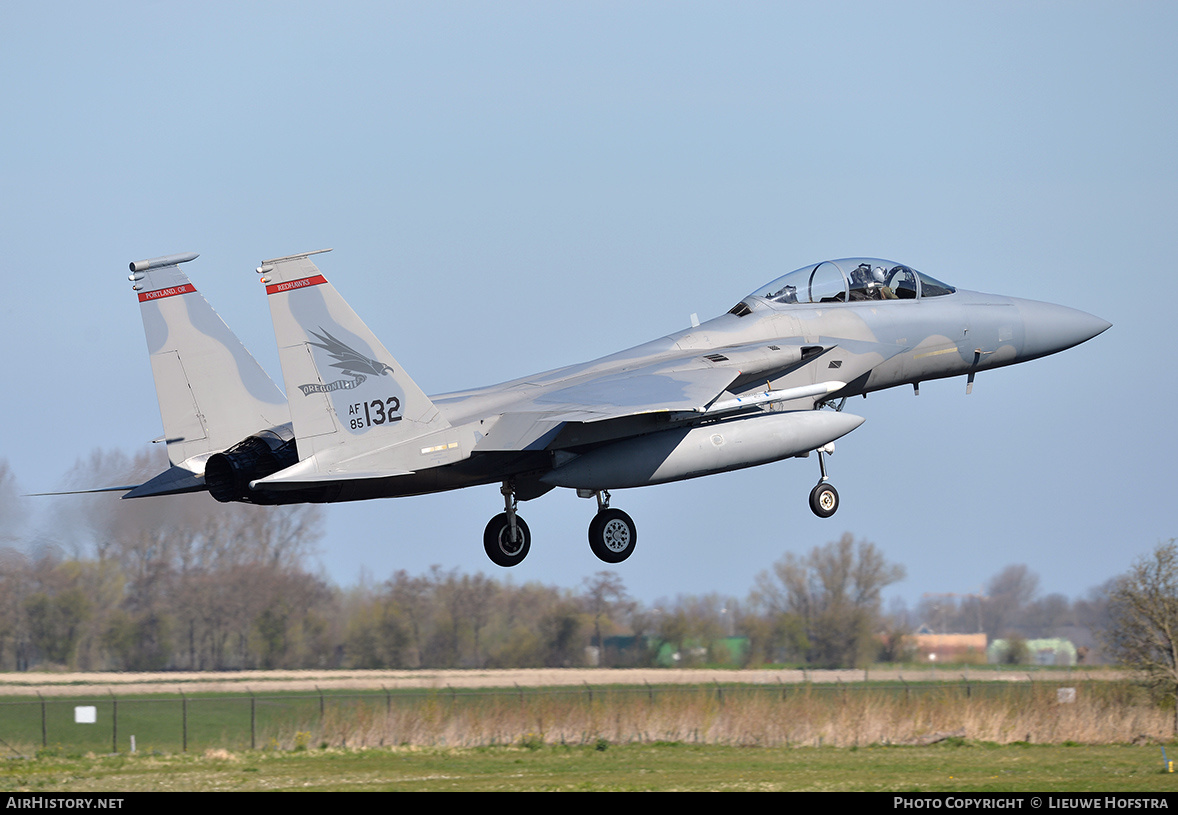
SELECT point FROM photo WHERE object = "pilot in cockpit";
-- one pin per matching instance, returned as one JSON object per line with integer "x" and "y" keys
{"x": 869, "y": 283}
{"x": 787, "y": 294}
{"x": 880, "y": 277}
{"x": 862, "y": 283}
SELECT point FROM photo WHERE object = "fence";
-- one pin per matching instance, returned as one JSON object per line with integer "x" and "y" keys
{"x": 843, "y": 713}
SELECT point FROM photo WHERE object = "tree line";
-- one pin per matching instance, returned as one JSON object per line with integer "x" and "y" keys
{"x": 182, "y": 583}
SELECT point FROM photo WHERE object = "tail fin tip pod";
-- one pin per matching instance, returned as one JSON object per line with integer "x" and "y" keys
{"x": 344, "y": 388}
{"x": 212, "y": 392}
{"x": 166, "y": 260}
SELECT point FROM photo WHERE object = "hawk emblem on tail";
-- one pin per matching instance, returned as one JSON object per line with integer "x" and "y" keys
{"x": 348, "y": 361}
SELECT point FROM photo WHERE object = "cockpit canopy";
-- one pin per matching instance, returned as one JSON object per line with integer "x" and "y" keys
{"x": 847, "y": 281}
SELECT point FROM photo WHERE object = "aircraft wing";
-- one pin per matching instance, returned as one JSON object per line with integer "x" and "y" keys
{"x": 536, "y": 422}
{"x": 674, "y": 381}
{"x": 617, "y": 403}
{"x": 592, "y": 409}
{"x": 647, "y": 390}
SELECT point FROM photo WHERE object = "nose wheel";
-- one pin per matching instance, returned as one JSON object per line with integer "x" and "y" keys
{"x": 612, "y": 533}
{"x": 824, "y": 498}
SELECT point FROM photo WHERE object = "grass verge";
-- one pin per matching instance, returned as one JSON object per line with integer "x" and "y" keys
{"x": 955, "y": 765}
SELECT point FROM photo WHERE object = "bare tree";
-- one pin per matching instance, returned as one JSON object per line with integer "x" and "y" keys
{"x": 1008, "y": 594}
{"x": 15, "y": 582}
{"x": 605, "y": 596}
{"x": 835, "y": 593}
{"x": 561, "y": 634}
{"x": 475, "y": 597}
{"x": 408, "y": 603}
{"x": 12, "y": 508}
{"x": 1143, "y": 620}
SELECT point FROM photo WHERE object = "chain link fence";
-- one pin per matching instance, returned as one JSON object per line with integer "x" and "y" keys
{"x": 821, "y": 713}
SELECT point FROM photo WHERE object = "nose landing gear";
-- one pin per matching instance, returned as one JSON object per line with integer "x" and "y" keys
{"x": 824, "y": 498}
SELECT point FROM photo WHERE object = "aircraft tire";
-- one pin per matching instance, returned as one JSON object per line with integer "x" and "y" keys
{"x": 612, "y": 535}
{"x": 824, "y": 500}
{"x": 498, "y": 544}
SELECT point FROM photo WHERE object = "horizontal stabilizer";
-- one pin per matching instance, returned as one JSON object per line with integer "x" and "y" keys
{"x": 173, "y": 481}
{"x": 80, "y": 492}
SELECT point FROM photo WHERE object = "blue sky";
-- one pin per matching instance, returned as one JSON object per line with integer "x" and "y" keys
{"x": 511, "y": 187}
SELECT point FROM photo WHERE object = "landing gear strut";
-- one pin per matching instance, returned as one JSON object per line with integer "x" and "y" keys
{"x": 824, "y": 498}
{"x": 507, "y": 538}
{"x": 612, "y": 534}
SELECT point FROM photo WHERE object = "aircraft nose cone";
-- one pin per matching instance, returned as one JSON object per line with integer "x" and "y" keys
{"x": 1048, "y": 328}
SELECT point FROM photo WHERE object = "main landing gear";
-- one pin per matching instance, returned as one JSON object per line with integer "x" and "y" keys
{"x": 612, "y": 533}
{"x": 507, "y": 538}
{"x": 824, "y": 498}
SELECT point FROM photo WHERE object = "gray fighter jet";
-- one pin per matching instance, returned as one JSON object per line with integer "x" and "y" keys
{"x": 764, "y": 382}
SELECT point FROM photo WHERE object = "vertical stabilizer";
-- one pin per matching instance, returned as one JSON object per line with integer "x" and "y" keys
{"x": 212, "y": 392}
{"x": 346, "y": 392}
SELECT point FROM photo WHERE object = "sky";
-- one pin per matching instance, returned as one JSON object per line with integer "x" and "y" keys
{"x": 511, "y": 187}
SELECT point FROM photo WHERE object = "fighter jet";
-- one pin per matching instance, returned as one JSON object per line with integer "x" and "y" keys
{"x": 766, "y": 381}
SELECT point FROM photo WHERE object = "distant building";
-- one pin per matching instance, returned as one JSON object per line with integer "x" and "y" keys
{"x": 650, "y": 650}
{"x": 949, "y": 647}
{"x": 1039, "y": 652}
{"x": 724, "y": 651}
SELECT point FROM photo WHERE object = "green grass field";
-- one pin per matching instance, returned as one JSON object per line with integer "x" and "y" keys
{"x": 954, "y": 766}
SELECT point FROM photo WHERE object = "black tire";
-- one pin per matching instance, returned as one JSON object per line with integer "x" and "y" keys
{"x": 612, "y": 535}
{"x": 497, "y": 541}
{"x": 824, "y": 500}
